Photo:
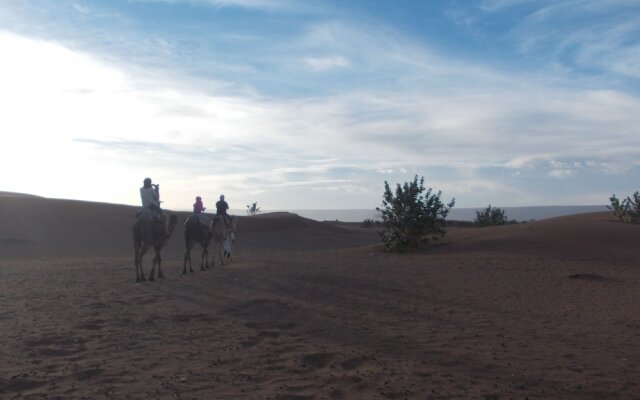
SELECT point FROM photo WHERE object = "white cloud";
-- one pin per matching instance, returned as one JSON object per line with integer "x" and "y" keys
{"x": 431, "y": 111}
{"x": 589, "y": 34}
{"x": 326, "y": 63}
{"x": 81, "y": 8}
{"x": 561, "y": 173}
{"x": 253, "y": 4}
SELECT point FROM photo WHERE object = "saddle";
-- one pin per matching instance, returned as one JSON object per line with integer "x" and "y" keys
{"x": 196, "y": 220}
{"x": 145, "y": 214}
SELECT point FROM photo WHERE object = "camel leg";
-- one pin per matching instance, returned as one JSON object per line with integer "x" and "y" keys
{"x": 160, "y": 274}
{"x": 203, "y": 258}
{"x": 205, "y": 254}
{"x": 153, "y": 270}
{"x": 190, "y": 268}
{"x": 218, "y": 253}
{"x": 213, "y": 256}
{"x": 143, "y": 250}
{"x": 153, "y": 267}
{"x": 189, "y": 243}
{"x": 187, "y": 257}
{"x": 137, "y": 258}
{"x": 136, "y": 261}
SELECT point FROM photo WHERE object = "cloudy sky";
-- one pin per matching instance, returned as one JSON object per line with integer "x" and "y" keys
{"x": 314, "y": 104}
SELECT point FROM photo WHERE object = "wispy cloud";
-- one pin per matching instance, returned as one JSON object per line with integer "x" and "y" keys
{"x": 207, "y": 133}
{"x": 251, "y": 4}
{"x": 315, "y": 106}
{"x": 81, "y": 8}
{"x": 326, "y": 63}
{"x": 584, "y": 34}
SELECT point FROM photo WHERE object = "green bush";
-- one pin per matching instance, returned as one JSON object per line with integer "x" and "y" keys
{"x": 253, "y": 209}
{"x": 490, "y": 216}
{"x": 627, "y": 210}
{"x": 368, "y": 223}
{"x": 412, "y": 216}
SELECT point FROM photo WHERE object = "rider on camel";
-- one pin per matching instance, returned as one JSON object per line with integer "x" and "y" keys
{"x": 150, "y": 196}
{"x": 198, "y": 206}
{"x": 198, "y": 210}
{"x": 221, "y": 209}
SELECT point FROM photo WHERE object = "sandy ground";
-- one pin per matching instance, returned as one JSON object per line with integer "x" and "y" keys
{"x": 312, "y": 310}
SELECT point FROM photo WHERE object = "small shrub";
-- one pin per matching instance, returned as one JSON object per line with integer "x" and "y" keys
{"x": 491, "y": 216}
{"x": 412, "y": 217}
{"x": 368, "y": 223}
{"x": 634, "y": 207}
{"x": 253, "y": 209}
{"x": 627, "y": 210}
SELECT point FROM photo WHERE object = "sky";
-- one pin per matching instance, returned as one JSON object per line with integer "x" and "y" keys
{"x": 315, "y": 104}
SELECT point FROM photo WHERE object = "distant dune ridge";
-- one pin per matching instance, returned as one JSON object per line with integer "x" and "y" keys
{"x": 32, "y": 226}
{"x": 457, "y": 213}
{"x": 12, "y": 194}
{"x": 312, "y": 310}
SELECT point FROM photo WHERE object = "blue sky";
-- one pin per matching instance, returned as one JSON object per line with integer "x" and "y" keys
{"x": 299, "y": 104}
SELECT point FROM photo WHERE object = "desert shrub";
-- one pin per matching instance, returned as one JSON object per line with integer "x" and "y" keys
{"x": 627, "y": 210}
{"x": 634, "y": 207}
{"x": 368, "y": 223}
{"x": 253, "y": 209}
{"x": 491, "y": 216}
{"x": 412, "y": 216}
{"x": 460, "y": 224}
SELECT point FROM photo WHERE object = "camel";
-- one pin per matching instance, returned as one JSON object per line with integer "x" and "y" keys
{"x": 218, "y": 230}
{"x": 196, "y": 232}
{"x": 151, "y": 233}
{"x": 230, "y": 239}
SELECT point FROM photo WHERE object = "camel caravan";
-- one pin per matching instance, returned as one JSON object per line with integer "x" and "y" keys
{"x": 152, "y": 230}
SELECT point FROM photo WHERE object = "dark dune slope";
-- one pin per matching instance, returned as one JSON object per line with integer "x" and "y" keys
{"x": 34, "y": 227}
{"x": 286, "y": 231}
{"x": 592, "y": 236}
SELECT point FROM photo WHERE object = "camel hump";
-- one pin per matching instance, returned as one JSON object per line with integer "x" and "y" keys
{"x": 145, "y": 214}
{"x": 189, "y": 220}
{"x": 196, "y": 221}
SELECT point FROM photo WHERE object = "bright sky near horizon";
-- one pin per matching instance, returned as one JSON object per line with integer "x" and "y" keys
{"x": 301, "y": 104}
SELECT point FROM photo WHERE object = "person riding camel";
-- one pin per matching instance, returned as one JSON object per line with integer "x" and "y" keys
{"x": 198, "y": 210}
{"x": 198, "y": 206}
{"x": 221, "y": 209}
{"x": 150, "y": 196}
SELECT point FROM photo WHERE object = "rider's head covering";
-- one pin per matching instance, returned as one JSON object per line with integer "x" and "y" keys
{"x": 221, "y": 197}
{"x": 147, "y": 181}
{"x": 198, "y": 198}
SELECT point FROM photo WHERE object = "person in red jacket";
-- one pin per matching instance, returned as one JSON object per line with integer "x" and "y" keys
{"x": 198, "y": 206}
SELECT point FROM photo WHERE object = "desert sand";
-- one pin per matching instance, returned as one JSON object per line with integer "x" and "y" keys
{"x": 317, "y": 310}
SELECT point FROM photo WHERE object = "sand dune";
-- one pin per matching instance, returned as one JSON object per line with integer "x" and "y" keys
{"x": 35, "y": 227}
{"x": 312, "y": 310}
{"x": 583, "y": 236}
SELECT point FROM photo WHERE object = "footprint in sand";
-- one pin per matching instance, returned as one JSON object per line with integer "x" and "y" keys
{"x": 17, "y": 384}
{"x": 317, "y": 360}
{"x": 92, "y": 325}
{"x": 56, "y": 346}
